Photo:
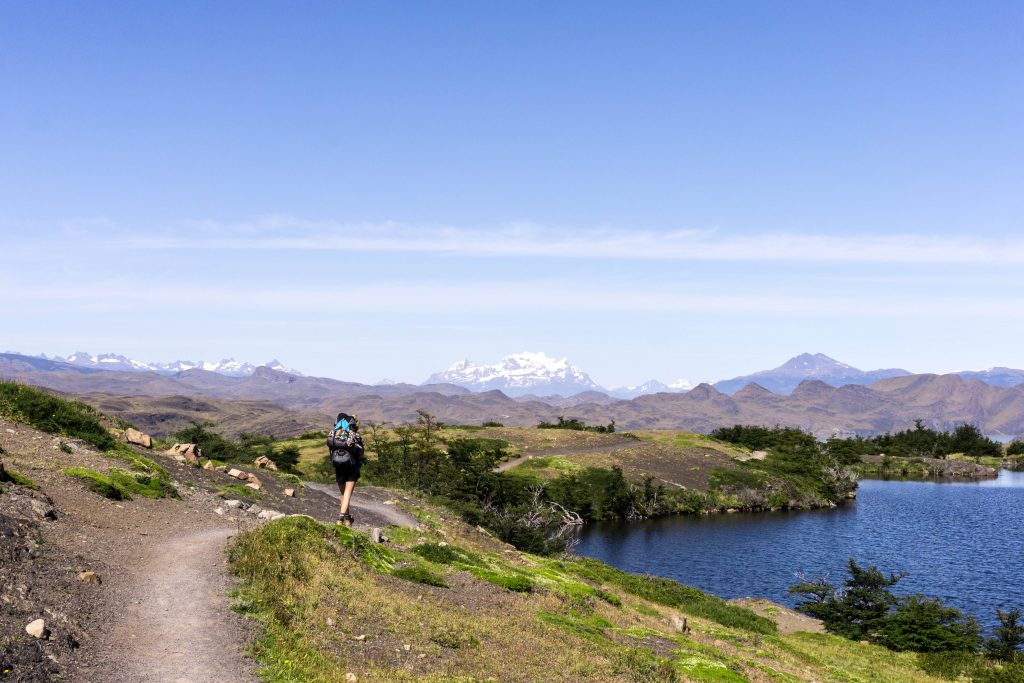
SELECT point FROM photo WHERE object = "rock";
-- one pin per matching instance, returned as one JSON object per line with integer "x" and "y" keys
{"x": 237, "y": 474}
{"x": 442, "y": 544}
{"x": 679, "y": 623}
{"x": 43, "y": 509}
{"x": 180, "y": 458}
{"x": 208, "y": 465}
{"x": 254, "y": 483}
{"x": 376, "y": 535}
{"x": 190, "y": 451}
{"x": 360, "y": 637}
{"x": 279, "y": 515}
{"x": 351, "y": 677}
{"x": 138, "y": 438}
{"x": 220, "y": 511}
{"x": 329, "y": 621}
{"x": 233, "y": 504}
{"x": 481, "y": 530}
{"x": 37, "y": 629}
{"x": 255, "y": 509}
{"x": 90, "y": 577}
{"x": 290, "y": 493}
{"x": 270, "y": 515}
{"x": 265, "y": 463}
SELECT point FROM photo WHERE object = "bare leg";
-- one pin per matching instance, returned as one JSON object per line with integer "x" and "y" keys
{"x": 346, "y": 495}
{"x": 342, "y": 501}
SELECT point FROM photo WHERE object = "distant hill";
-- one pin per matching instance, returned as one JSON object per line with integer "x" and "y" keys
{"x": 815, "y": 366}
{"x": 999, "y": 377}
{"x": 112, "y": 361}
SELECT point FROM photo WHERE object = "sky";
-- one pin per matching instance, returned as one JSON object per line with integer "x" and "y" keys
{"x": 659, "y": 190}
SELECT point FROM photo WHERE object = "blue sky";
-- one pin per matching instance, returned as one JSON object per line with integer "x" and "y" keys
{"x": 665, "y": 190}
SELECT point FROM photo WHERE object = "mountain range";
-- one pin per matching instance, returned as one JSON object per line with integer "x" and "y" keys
{"x": 537, "y": 375}
{"x": 817, "y": 366}
{"x": 290, "y": 401}
{"x": 112, "y": 361}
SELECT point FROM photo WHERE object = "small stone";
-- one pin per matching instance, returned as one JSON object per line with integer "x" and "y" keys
{"x": 351, "y": 678}
{"x": 407, "y": 647}
{"x": 233, "y": 504}
{"x": 220, "y": 511}
{"x": 442, "y": 544}
{"x": 290, "y": 493}
{"x": 255, "y": 509}
{"x": 329, "y": 621}
{"x": 269, "y": 515}
{"x": 90, "y": 577}
{"x": 208, "y": 465}
{"x": 263, "y": 462}
{"x": 376, "y": 535}
{"x": 37, "y": 629}
{"x": 360, "y": 637}
{"x": 254, "y": 485}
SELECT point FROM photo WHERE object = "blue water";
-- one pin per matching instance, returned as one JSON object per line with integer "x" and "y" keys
{"x": 960, "y": 542}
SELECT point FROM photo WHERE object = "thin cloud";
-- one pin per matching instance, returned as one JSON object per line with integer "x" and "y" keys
{"x": 533, "y": 241}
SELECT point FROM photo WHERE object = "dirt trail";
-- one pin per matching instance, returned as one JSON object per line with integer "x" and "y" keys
{"x": 370, "y": 506}
{"x": 177, "y": 625}
{"x": 509, "y": 464}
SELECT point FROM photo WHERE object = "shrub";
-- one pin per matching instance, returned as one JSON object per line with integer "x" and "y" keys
{"x": 578, "y": 425}
{"x": 491, "y": 423}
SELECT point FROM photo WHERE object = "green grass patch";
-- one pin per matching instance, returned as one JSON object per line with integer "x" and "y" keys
{"x": 447, "y": 554}
{"x": 589, "y": 627}
{"x": 513, "y": 582}
{"x": 99, "y": 483}
{"x": 673, "y": 594}
{"x": 419, "y": 574}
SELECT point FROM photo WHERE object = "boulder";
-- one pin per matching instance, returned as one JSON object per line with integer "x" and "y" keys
{"x": 237, "y": 474}
{"x": 190, "y": 451}
{"x": 37, "y": 629}
{"x": 290, "y": 493}
{"x": 138, "y": 438}
{"x": 254, "y": 483}
{"x": 265, "y": 463}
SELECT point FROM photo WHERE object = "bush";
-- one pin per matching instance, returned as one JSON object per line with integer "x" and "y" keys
{"x": 1015, "y": 448}
{"x": 491, "y": 423}
{"x": 578, "y": 425}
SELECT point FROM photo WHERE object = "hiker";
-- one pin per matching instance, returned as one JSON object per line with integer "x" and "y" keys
{"x": 346, "y": 448}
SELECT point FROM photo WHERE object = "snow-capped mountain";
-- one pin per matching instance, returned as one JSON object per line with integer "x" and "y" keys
{"x": 651, "y": 386}
{"x": 111, "y": 361}
{"x": 519, "y": 374}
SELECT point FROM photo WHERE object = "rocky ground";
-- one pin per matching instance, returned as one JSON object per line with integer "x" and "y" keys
{"x": 132, "y": 590}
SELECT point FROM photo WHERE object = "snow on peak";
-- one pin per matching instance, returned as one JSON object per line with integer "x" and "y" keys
{"x": 111, "y": 361}
{"x": 517, "y": 374}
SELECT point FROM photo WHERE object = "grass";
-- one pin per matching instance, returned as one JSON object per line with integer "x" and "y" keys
{"x": 11, "y": 477}
{"x": 329, "y": 601}
{"x": 54, "y": 415}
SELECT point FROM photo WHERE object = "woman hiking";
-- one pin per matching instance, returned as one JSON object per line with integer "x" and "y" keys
{"x": 347, "y": 449}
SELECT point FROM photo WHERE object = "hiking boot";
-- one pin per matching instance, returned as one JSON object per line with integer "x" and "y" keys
{"x": 347, "y": 521}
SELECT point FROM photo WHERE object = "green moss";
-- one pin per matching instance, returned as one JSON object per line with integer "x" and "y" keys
{"x": 420, "y": 574}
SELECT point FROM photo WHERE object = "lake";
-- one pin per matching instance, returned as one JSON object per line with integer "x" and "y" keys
{"x": 960, "y": 542}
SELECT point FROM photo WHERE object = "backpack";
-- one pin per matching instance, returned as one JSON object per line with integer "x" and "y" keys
{"x": 344, "y": 443}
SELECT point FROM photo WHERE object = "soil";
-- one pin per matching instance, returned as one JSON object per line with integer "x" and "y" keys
{"x": 161, "y": 611}
{"x": 788, "y": 620}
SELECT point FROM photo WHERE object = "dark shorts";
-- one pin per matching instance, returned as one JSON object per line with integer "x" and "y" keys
{"x": 346, "y": 472}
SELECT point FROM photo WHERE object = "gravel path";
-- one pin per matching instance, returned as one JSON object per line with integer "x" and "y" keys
{"x": 177, "y": 625}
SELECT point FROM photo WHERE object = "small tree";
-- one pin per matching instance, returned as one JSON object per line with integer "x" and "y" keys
{"x": 1007, "y": 638}
{"x": 923, "y": 624}
{"x": 859, "y": 609}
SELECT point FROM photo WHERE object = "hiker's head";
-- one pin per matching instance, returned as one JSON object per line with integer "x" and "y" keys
{"x": 353, "y": 423}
